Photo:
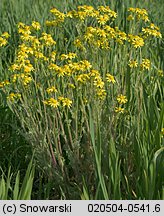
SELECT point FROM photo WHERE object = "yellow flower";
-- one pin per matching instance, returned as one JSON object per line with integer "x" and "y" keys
{"x": 108, "y": 11}
{"x": 4, "y": 83}
{"x": 119, "y": 110}
{"x": 28, "y": 68}
{"x": 65, "y": 101}
{"x": 85, "y": 65}
{"x": 24, "y": 29}
{"x": 26, "y": 80}
{"x": 51, "y": 102}
{"x": 121, "y": 99}
{"x": 110, "y": 78}
{"x": 39, "y": 55}
{"x": 136, "y": 41}
{"x": 36, "y": 25}
{"x": 3, "y": 41}
{"x": 5, "y": 35}
{"x": 145, "y": 64}
{"x": 133, "y": 63}
{"x": 47, "y": 39}
{"x": 78, "y": 44}
{"x": 94, "y": 73}
{"x": 152, "y": 26}
{"x": 151, "y": 32}
{"x": 59, "y": 16}
{"x": 98, "y": 82}
{"x": 51, "y": 90}
{"x": 140, "y": 13}
{"x": 101, "y": 93}
{"x": 68, "y": 56}
{"x": 82, "y": 78}
{"x": 88, "y": 10}
{"x": 12, "y": 96}
{"x": 102, "y": 19}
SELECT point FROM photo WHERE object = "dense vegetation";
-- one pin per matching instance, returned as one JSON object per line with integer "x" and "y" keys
{"x": 81, "y": 99}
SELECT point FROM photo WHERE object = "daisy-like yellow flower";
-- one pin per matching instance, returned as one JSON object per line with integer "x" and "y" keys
{"x": 85, "y": 65}
{"x": 145, "y": 64}
{"x": 51, "y": 102}
{"x": 3, "y": 41}
{"x": 119, "y": 110}
{"x": 102, "y": 19}
{"x": 133, "y": 63}
{"x": 136, "y": 41}
{"x": 121, "y": 99}
{"x": 110, "y": 78}
{"x": 98, "y": 82}
{"x": 151, "y": 32}
{"x": 66, "y": 102}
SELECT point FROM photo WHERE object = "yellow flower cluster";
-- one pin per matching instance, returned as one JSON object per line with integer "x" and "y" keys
{"x": 47, "y": 39}
{"x": 59, "y": 18}
{"x": 135, "y": 40}
{"x": 101, "y": 37}
{"x": 102, "y": 15}
{"x": 151, "y": 30}
{"x": 121, "y": 99}
{"x": 25, "y": 79}
{"x": 38, "y": 60}
{"x": 4, "y": 83}
{"x": 13, "y": 96}
{"x": 36, "y": 25}
{"x": 66, "y": 102}
{"x": 140, "y": 14}
{"x": 71, "y": 68}
{"x": 144, "y": 65}
{"x": 3, "y": 39}
{"x": 69, "y": 56}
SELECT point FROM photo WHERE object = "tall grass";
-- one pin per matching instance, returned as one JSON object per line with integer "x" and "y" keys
{"x": 10, "y": 187}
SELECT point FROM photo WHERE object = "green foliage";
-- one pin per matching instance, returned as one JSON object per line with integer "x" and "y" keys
{"x": 11, "y": 188}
